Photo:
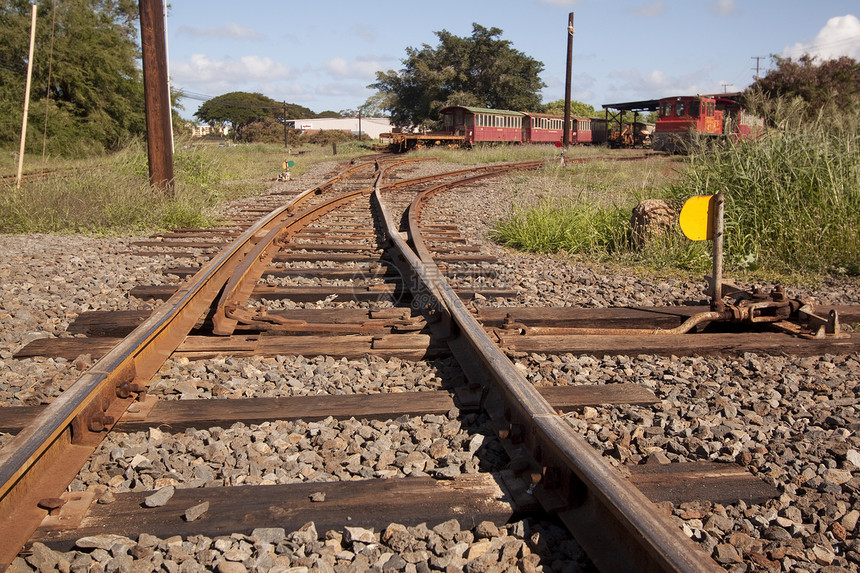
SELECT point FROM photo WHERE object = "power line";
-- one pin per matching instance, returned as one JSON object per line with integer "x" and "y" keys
{"x": 195, "y": 95}
{"x": 818, "y": 47}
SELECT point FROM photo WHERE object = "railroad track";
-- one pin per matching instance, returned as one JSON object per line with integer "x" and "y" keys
{"x": 404, "y": 308}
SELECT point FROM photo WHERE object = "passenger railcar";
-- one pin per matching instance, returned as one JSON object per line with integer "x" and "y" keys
{"x": 483, "y": 125}
{"x": 549, "y": 128}
{"x": 477, "y": 125}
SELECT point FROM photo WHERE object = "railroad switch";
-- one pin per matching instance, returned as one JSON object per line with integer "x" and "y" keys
{"x": 794, "y": 316}
{"x": 701, "y": 218}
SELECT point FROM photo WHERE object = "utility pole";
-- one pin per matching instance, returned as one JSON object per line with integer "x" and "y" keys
{"x": 757, "y": 68}
{"x": 565, "y": 138}
{"x": 159, "y": 140}
{"x": 27, "y": 97}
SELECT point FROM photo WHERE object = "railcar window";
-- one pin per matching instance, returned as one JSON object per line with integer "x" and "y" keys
{"x": 679, "y": 108}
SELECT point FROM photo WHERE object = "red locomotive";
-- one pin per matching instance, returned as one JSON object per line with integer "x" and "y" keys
{"x": 685, "y": 117}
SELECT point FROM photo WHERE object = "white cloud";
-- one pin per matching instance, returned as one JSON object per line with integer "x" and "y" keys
{"x": 229, "y": 31}
{"x": 652, "y": 10}
{"x": 632, "y": 85}
{"x": 364, "y": 32}
{"x": 839, "y": 37}
{"x": 723, "y": 7}
{"x": 202, "y": 73}
{"x": 363, "y": 68}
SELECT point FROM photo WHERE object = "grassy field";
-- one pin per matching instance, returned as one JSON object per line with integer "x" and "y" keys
{"x": 112, "y": 195}
{"x": 792, "y": 207}
{"x": 792, "y": 211}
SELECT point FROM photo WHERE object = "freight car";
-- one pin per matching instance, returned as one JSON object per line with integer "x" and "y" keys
{"x": 683, "y": 118}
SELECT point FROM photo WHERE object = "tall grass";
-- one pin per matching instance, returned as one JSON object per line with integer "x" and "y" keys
{"x": 111, "y": 194}
{"x": 792, "y": 198}
{"x": 792, "y": 206}
{"x": 559, "y": 225}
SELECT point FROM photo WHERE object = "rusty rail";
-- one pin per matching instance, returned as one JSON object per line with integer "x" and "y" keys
{"x": 40, "y": 461}
{"x": 617, "y": 525}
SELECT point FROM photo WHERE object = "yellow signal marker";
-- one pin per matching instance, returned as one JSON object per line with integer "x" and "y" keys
{"x": 696, "y": 218}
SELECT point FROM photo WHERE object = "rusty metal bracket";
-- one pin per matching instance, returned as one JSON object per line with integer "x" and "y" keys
{"x": 817, "y": 327}
{"x": 68, "y": 510}
{"x": 260, "y": 317}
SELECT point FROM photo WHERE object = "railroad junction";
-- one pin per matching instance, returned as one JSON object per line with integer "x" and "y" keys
{"x": 379, "y": 386}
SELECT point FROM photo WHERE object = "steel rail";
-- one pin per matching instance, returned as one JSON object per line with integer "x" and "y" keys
{"x": 228, "y": 314}
{"x": 241, "y": 284}
{"x": 619, "y": 527}
{"x": 42, "y": 459}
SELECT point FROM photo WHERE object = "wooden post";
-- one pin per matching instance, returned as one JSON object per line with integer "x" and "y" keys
{"x": 156, "y": 94}
{"x": 285, "y": 126}
{"x": 719, "y": 228}
{"x": 565, "y": 138}
{"x": 27, "y": 97}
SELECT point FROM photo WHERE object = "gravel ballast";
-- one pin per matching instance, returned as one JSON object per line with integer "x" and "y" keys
{"x": 791, "y": 421}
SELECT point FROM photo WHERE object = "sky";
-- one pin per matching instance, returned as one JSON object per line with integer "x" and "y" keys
{"x": 323, "y": 54}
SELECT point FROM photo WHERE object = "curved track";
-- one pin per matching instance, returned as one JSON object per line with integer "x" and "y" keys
{"x": 220, "y": 306}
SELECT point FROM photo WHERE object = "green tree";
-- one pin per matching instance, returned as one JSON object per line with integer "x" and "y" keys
{"x": 832, "y": 86}
{"x": 240, "y": 109}
{"x": 577, "y": 108}
{"x": 96, "y": 89}
{"x": 375, "y": 105}
{"x": 482, "y": 70}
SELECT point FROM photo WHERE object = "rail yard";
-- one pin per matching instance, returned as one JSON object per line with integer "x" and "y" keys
{"x": 349, "y": 376}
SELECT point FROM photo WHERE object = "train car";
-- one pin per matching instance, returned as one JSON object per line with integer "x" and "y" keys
{"x": 479, "y": 125}
{"x": 548, "y": 128}
{"x": 582, "y": 130}
{"x": 685, "y": 117}
{"x": 599, "y": 130}
{"x": 681, "y": 118}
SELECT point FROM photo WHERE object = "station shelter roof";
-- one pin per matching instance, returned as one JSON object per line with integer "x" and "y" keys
{"x": 643, "y": 105}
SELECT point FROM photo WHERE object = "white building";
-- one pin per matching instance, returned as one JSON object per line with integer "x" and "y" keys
{"x": 370, "y": 126}
{"x": 205, "y": 129}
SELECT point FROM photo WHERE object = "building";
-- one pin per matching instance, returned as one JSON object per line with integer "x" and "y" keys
{"x": 370, "y": 126}
{"x": 204, "y": 130}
